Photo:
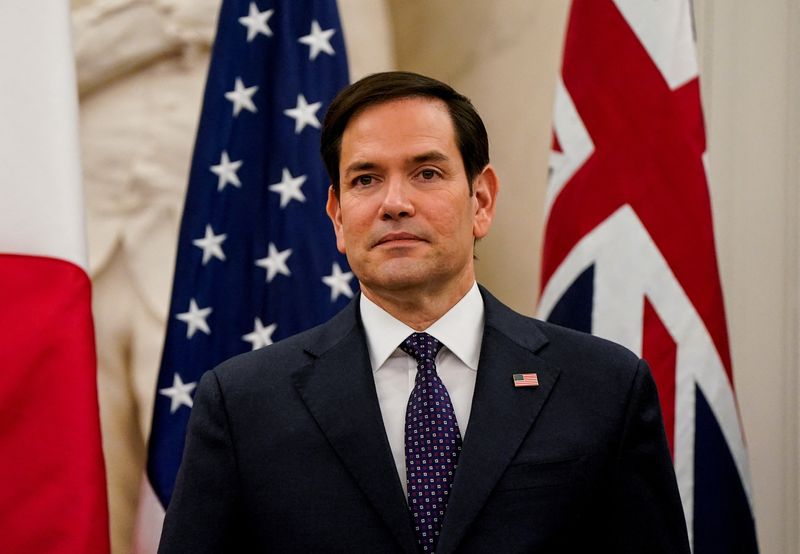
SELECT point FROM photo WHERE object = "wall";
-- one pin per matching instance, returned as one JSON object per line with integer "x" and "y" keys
{"x": 749, "y": 72}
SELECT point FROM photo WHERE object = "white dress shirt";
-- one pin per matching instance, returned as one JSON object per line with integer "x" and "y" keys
{"x": 460, "y": 330}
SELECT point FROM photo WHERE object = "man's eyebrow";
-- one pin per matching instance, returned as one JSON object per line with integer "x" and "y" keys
{"x": 360, "y": 166}
{"x": 431, "y": 156}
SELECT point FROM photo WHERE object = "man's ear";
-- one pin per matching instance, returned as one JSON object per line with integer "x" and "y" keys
{"x": 334, "y": 210}
{"x": 484, "y": 192}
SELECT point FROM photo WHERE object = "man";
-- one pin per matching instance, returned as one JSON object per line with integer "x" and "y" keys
{"x": 426, "y": 416}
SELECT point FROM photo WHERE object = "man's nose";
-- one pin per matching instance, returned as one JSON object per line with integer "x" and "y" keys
{"x": 397, "y": 200}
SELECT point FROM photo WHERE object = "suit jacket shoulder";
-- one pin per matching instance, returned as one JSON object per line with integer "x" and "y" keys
{"x": 278, "y": 361}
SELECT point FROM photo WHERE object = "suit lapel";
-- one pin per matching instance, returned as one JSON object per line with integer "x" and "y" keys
{"x": 501, "y": 414}
{"x": 338, "y": 389}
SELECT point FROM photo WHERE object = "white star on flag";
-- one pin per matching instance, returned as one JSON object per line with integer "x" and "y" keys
{"x": 275, "y": 262}
{"x": 256, "y": 22}
{"x": 318, "y": 41}
{"x": 289, "y": 188}
{"x": 260, "y": 336}
{"x": 195, "y": 319}
{"x": 226, "y": 171}
{"x": 242, "y": 97}
{"x": 304, "y": 114}
{"x": 211, "y": 245}
{"x": 339, "y": 282}
{"x": 180, "y": 393}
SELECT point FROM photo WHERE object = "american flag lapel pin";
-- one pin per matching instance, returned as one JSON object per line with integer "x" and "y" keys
{"x": 526, "y": 380}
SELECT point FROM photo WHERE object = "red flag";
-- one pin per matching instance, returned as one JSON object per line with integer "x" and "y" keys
{"x": 53, "y": 497}
{"x": 629, "y": 248}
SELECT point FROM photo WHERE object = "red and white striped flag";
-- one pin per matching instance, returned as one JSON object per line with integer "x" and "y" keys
{"x": 629, "y": 248}
{"x": 53, "y": 495}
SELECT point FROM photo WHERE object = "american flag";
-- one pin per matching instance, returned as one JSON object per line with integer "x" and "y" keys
{"x": 257, "y": 260}
{"x": 526, "y": 380}
{"x": 629, "y": 248}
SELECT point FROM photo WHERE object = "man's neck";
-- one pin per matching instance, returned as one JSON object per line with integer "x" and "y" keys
{"x": 419, "y": 309}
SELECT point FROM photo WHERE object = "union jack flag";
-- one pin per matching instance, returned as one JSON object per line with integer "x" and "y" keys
{"x": 629, "y": 249}
{"x": 257, "y": 258}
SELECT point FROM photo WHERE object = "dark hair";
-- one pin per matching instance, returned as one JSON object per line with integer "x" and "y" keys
{"x": 473, "y": 144}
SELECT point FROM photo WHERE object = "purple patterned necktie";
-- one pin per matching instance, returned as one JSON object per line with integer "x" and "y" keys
{"x": 433, "y": 442}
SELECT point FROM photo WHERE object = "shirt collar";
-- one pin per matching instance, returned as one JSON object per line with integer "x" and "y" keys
{"x": 460, "y": 329}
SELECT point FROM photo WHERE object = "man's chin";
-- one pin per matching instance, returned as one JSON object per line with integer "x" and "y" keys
{"x": 397, "y": 278}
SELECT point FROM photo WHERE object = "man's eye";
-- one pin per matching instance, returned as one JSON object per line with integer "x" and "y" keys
{"x": 427, "y": 174}
{"x": 363, "y": 180}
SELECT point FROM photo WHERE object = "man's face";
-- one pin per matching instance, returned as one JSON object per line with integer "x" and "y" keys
{"x": 405, "y": 217}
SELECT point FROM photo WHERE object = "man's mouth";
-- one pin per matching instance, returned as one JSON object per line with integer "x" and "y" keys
{"x": 397, "y": 237}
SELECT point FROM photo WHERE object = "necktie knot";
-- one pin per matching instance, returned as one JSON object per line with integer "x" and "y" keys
{"x": 421, "y": 346}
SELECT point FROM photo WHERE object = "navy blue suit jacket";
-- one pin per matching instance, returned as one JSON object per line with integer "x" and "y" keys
{"x": 286, "y": 451}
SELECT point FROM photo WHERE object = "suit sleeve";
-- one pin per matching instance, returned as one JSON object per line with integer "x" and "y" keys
{"x": 203, "y": 513}
{"x": 647, "y": 511}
